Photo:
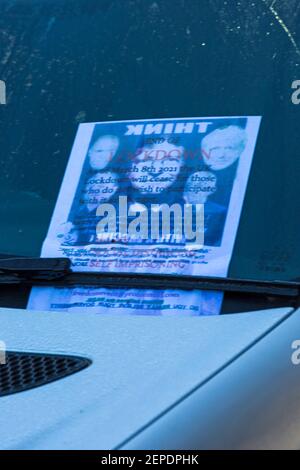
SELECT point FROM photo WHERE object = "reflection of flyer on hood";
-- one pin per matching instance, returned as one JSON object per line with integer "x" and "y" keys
{"x": 155, "y": 196}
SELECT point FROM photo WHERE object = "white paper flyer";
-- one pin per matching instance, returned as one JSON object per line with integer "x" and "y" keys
{"x": 154, "y": 196}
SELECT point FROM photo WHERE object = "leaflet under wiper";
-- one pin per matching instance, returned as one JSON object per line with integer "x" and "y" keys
{"x": 57, "y": 272}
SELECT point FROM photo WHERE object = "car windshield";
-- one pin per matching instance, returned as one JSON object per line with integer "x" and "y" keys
{"x": 70, "y": 61}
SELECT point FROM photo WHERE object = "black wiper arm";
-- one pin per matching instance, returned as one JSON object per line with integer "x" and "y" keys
{"x": 57, "y": 272}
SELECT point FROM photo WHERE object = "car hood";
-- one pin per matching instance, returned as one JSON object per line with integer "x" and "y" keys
{"x": 141, "y": 366}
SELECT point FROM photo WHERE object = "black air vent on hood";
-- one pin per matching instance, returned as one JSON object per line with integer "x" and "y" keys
{"x": 24, "y": 371}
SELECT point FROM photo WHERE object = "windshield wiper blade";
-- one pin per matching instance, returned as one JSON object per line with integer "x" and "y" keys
{"x": 16, "y": 270}
{"x": 57, "y": 272}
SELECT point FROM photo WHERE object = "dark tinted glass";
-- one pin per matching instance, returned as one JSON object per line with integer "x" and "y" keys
{"x": 71, "y": 61}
